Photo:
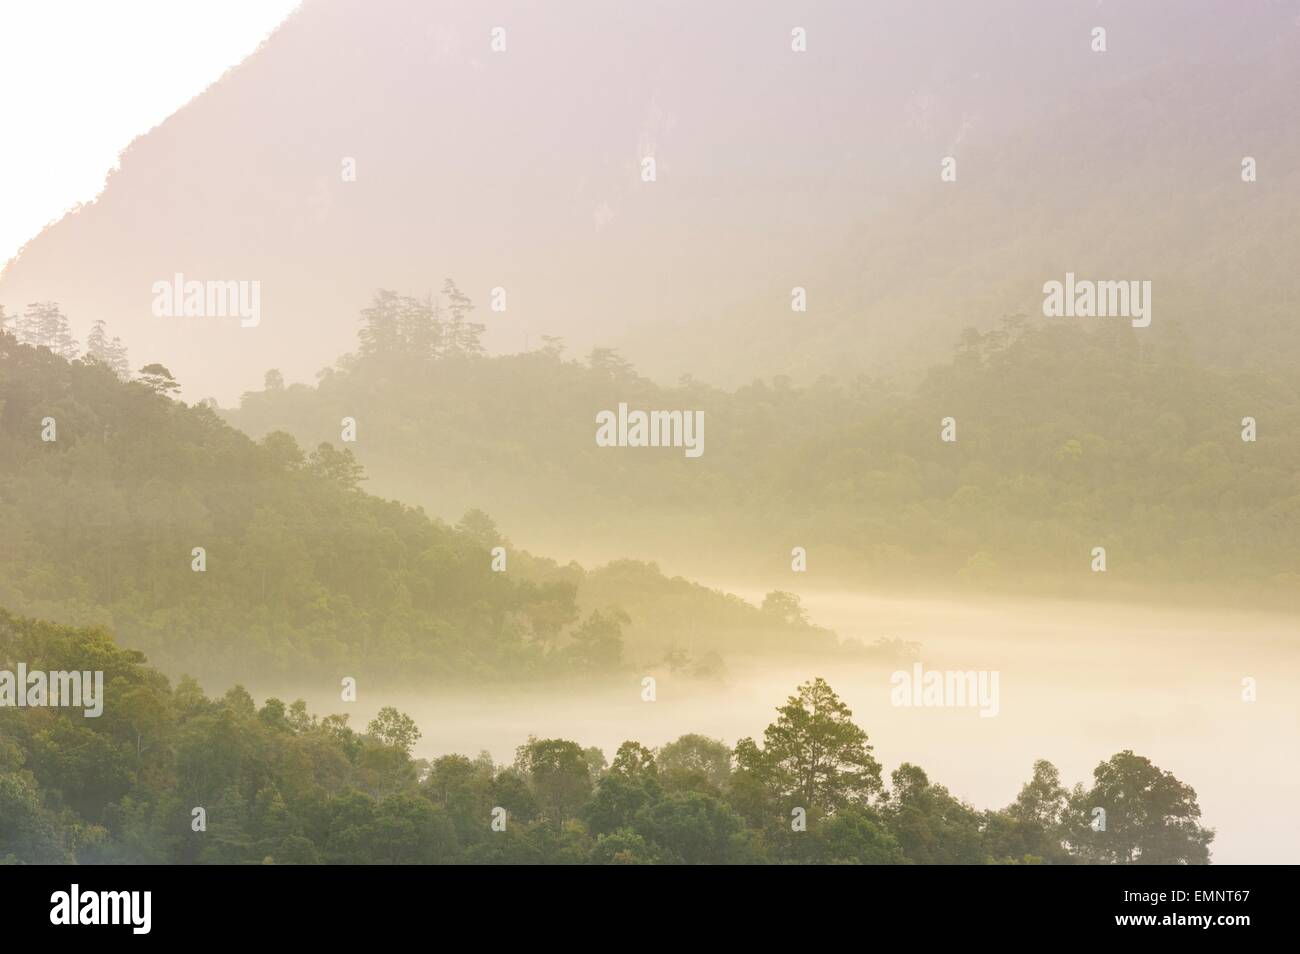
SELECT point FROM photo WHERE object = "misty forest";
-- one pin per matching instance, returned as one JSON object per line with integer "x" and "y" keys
{"x": 366, "y": 564}
{"x": 277, "y": 784}
{"x": 311, "y": 576}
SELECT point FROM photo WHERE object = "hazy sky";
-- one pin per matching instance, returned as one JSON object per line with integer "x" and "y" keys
{"x": 62, "y": 131}
{"x": 519, "y": 169}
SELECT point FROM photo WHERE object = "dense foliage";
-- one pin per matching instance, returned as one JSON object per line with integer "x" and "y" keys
{"x": 1066, "y": 439}
{"x": 301, "y": 572}
{"x": 277, "y": 784}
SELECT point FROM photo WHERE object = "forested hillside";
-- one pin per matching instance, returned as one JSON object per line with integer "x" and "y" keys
{"x": 107, "y": 488}
{"x": 1066, "y": 439}
{"x": 168, "y": 774}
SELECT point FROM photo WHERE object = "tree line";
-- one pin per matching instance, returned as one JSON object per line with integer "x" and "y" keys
{"x": 278, "y": 784}
{"x": 300, "y": 570}
{"x": 1064, "y": 439}
{"x": 43, "y": 325}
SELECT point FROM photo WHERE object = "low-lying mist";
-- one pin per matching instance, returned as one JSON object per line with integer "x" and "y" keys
{"x": 1076, "y": 684}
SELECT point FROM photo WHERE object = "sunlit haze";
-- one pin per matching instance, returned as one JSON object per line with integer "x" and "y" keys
{"x": 80, "y": 79}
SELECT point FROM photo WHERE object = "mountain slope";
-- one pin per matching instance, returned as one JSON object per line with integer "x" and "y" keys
{"x": 1066, "y": 439}
{"x": 521, "y": 170}
{"x": 301, "y": 572}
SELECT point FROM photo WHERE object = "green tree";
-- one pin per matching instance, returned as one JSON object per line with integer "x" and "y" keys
{"x": 511, "y": 791}
{"x": 622, "y": 847}
{"x": 633, "y": 760}
{"x": 854, "y": 835}
{"x": 929, "y": 824}
{"x": 337, "y": 466}
{"x": 598, "y": 642}
{"x": 813, "y": 756}
{"x": 1032, "y": 826}
{"x": 283, "y": 450}
{"x": 558, "y": 775}
{"x": 27, "y": 832}
{"x": 480, "y": 528}
{"x": 1151, "y": 818}
{"x": 695, "y": 762}
{"x": 394, "y": 728}
{"x": 692, "y": 828}
{"x": 159, "y": 380}
{"x": 618, "y": 799}
{"x": 407, "y": 829}
{"x": 786, "y": 607}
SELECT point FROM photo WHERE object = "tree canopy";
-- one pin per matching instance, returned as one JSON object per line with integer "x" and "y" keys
{"x": 170, "y": 775}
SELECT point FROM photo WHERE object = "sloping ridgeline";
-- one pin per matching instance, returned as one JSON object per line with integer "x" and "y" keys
{"x": 1067, "y": 437}
{"x": 302, "y": 571}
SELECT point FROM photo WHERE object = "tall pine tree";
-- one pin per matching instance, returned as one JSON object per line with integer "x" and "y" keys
{"x": 44, "y": 325}
{"x": 381, "y": 330}
{"x": 461, "y": 336}
{"x": 111, "y": 354}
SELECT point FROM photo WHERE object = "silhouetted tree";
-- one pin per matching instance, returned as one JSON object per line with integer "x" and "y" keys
{"x": 158, "y": 379}
{"x": 44, "y": 325}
